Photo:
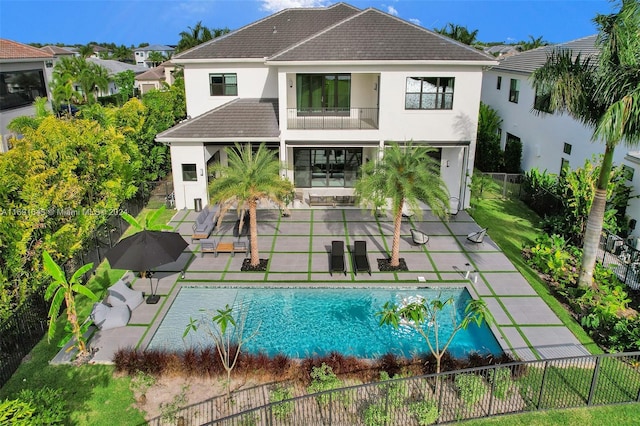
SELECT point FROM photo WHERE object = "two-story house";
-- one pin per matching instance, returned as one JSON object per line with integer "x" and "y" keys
{"x": 327, "y": 89}
{"x": 549, "y": 141}
{"x": 141, "y": 54}
{"x": 22, "y": 80}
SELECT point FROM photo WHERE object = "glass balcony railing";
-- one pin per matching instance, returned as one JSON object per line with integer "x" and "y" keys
{"x": 332, "y": 118}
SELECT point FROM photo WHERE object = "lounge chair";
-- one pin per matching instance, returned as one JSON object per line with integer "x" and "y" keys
{"x": 205, "y": 222}
{"x": 478, "y": 236}
{"x": 337, "y": 257}
{"x": 360, "y": 259}
{"x": 121, "y": 294}
{"x": 106, "y": 317}
{"x": 419, "y": 237}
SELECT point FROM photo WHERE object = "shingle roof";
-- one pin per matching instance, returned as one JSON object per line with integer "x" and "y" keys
{"x": 531, "y": 60}
{"x": 238, "y": 120}
{"x": 56, "y": 50}
{"x": 375, "y": 35}
{"x": 271, "y": 34}
{"x": 156, "y": 73}
{"x": 13, "y": 50}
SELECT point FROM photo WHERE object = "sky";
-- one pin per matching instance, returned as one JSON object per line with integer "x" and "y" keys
{"x": 131, "y": 22}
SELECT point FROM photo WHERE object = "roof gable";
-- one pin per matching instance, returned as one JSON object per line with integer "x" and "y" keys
{"x": 375, "y": 35}
{"x": 272, "y": 34}
{"x": 13, "y": 50}
{"x": 531, "y": 60}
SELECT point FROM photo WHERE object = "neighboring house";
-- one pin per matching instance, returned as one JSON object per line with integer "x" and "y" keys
{"x": 155, "y": 77}
{"x": 503, "y": 50}
{"x": 327, "y": 88}
{"x": 113, "y": 67}
{"x": 549, "y": 141}
{"x": 141, "y": 54}
{"x": 22, "y": 80}
{"x": 58, "y": 53}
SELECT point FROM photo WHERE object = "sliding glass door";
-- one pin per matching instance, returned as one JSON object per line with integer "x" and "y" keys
{"x": 326, "y": 167}
{"x": 322, "y": 93}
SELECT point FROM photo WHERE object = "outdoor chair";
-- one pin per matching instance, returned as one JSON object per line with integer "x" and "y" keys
{"x": 478, "y": 236}
{"x": 419, "y": 237}
{"x": 337, "y": 257}
{"x": 121, "y": 294}
{"x": 106, "y": 317}
{"x": 360, "y": 258}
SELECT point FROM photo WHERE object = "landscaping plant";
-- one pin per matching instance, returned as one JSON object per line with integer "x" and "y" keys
{"x": 424, "y": 316}
{"x": 425, "y": 412}
{"x": 227, "y": 332}
{"x": 249, "y": 178}
{"x": 405, "y": 175}
{"x": 471, "y": 388}
{"x": 602, "y": 93}
{"x": 281, "y": 393}
{"x": 323, "y": 379}
{"x": 63, "y": 289}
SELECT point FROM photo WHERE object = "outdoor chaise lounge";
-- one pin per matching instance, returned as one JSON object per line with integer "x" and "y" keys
{"x": 478, "y": 236}
{"x": 360, "y": 258}
{"x": 121, "y": 294}
{"x": 106, "y": 317}
{"x": 337, "y": 257}
{"x": 205, "y": 222}
{"x": 419, "y": 237}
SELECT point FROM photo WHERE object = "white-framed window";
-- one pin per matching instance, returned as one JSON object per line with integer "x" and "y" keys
{"x": 189, "y": 173}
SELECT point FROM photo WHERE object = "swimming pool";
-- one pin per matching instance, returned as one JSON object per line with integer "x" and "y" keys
{"x": 300, "y": 322}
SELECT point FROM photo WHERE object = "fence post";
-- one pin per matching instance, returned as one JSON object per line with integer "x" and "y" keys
{"x": 594, "y": 381}
{"x": 386, "y": 404}
{"x": 504, "y": 186}
{"x": 330, "y": 408}
{"x": 544, "y": 379}
{"x": 493, "y": 388}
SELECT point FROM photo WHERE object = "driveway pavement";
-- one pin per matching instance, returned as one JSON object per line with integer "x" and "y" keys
{"x": 298, "y": 251}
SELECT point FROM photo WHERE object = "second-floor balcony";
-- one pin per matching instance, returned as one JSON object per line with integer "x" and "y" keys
{"x": 332, "y": 118}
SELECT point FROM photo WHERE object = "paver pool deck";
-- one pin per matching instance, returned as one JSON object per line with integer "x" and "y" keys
{"x": 298, "y": 251}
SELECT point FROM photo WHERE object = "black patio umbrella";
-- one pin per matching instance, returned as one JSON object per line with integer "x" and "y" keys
{"x": 146, "y": 250}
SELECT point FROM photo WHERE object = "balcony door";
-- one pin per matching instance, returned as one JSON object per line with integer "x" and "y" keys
{"x": 323, "y": 93}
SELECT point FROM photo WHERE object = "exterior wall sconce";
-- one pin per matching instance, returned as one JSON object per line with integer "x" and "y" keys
{"x": 447, "y": 163}
{"x": 201, "y": 172}
{"x": 290, "y": 83}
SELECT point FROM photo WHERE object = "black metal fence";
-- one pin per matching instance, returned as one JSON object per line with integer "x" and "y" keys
{"x": 437, "y": 398}
{"x": 28, "y": 324}
{"x": 20, "y": 333}
{"x": 622, "y": 256}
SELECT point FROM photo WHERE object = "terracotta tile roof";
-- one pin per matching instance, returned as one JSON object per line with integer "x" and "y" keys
{"x": 14, "y": 50}
{"x": 238, "y": 120}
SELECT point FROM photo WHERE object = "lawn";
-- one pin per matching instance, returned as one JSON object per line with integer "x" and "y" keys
{"x": 513, "y": 225}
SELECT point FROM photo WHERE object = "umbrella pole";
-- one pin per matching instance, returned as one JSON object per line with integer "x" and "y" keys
{"x": 153, "y": 298}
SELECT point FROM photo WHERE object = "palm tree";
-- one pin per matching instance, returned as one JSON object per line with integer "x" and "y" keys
{"x": 198, "y": 35}
{"x": 93, "y": 77}
{"x": 156, "y": 58}
{"x": 604, "y": 96}
{"x": 533, "y": 43}
{"x": 249, "y": 177}
{"x": 405, "y": 175}
{"x": 459, "y": 33}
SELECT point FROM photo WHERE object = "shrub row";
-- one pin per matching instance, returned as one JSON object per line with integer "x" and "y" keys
{"x": 206, "y": 362}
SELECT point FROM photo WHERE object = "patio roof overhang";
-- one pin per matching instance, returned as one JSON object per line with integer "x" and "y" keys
{"x": 241, "y": 120}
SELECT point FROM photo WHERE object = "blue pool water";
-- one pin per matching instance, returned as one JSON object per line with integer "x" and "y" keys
{"x": 301, "y": 322}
